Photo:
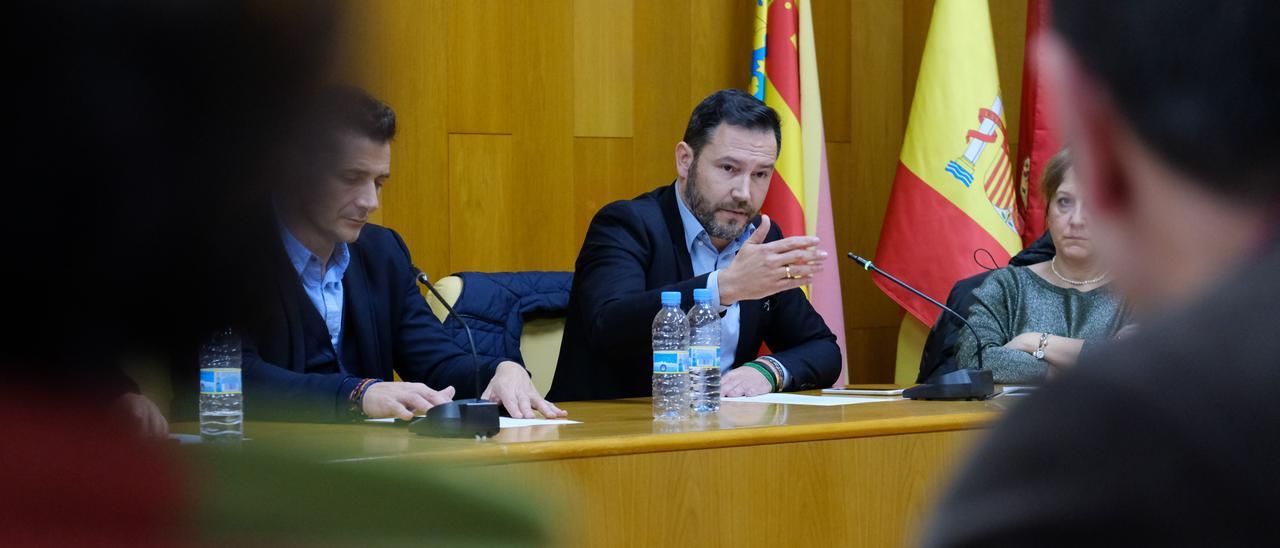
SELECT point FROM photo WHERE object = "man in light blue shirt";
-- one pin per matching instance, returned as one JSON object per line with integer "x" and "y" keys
{"x": 332, "y": 345}
{"x": 707, "y": 259}
{"x": 322, "y": 282}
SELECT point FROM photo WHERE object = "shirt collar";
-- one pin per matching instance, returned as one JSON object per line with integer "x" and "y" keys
{"x": 300, "y": 256}
{"x": 693, "y": 230}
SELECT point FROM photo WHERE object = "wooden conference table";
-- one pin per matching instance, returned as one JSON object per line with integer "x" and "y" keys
{"x": 755, "y": 474}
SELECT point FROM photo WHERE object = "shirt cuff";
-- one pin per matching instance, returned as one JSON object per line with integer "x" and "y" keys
{"x": 786, "y": 375}
{"x": 713, "y": 285}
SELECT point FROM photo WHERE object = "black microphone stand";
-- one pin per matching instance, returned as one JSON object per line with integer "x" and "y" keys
{"x": 962, "y": 384}
{"x": 472, "y": 417}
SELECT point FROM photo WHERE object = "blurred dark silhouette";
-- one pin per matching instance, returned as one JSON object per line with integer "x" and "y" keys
{"x": 145, "y": 131}
{"x": 148, "y": 137}
{"x": 141, "y": 132}
{"x": 1166, "y": 437}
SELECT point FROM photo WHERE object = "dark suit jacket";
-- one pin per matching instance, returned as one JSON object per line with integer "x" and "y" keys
{"x": 384, "y": 316}
{"x": 635, "y": 250}
{"x": 1168, "y": 438}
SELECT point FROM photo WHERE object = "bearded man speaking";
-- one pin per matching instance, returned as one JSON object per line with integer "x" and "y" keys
{"x": 702, "y": 231}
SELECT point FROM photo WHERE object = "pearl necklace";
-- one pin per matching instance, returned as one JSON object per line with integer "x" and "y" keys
{"x": 1053, "y": 265}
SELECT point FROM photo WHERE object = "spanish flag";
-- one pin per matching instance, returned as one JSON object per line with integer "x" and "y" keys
{"x": 954, "y": 192}
{"x": 784, "y": 74}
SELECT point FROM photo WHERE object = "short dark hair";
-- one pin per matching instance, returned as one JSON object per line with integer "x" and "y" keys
{"x": 734, "y": 107}
{"x": 1055, "y": 171}
{"x": 349, "y": 108}
{"x": 1196, "y": 79}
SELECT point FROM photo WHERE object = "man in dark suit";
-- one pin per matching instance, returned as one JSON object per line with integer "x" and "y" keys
{"x": 701, "y": 231}
{"x": 1169, "y": 437}
{"x": 349, "y": 311}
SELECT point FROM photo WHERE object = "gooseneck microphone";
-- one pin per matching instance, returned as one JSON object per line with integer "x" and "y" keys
{"x": 467, "y": 418}
{"x": 871, "y": 267}
{"x": 963, "y": 384}
{"x": 475, "y": 357}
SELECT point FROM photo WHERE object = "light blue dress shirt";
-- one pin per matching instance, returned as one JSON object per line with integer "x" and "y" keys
{"x": 323, "y": 288}
{"x": 707, "y": 259}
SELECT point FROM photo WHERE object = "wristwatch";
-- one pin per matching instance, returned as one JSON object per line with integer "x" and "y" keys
{"x": 1039, "y": 353}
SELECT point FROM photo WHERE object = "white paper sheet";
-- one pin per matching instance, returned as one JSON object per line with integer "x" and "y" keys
{"x": 1016, "y": 390}
{"x": 801, "y": 399}
{"x": 506, "y": 422}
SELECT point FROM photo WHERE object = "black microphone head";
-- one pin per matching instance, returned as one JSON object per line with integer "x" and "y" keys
{"x": 858, "y": 259}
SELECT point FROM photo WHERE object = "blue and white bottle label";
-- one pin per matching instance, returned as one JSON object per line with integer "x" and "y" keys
{"x": 669, "y": 361}
{"x": 705, "y": 356}
{"x": 219, "y": 380}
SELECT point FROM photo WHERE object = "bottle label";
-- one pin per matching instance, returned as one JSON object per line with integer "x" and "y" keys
{"x": 669, "y": 361}
{"x": 705, "y": 357}
{"x": 219, "y": 380}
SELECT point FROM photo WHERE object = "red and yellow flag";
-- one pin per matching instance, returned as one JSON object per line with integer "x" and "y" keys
{"x": 954, "y": 192}
{"x": 1038, "y": 141}
{"x": 784, "y": 74}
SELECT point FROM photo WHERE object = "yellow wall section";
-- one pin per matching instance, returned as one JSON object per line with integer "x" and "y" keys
{"x": 519, "y": 118}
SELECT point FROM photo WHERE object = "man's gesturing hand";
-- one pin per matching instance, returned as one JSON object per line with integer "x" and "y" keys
{"x": 402, "y": 400}
{"x": 761, "y": 269}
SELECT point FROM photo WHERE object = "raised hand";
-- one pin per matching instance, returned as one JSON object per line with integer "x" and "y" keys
{"x": 763, "y": 269}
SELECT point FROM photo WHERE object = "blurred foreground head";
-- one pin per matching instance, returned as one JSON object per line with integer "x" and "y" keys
{"x": 1171, "y": 114}
{"x": 144, "y": 134}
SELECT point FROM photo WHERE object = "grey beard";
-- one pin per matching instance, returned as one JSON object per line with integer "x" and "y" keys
{"x": 706, "y": 214}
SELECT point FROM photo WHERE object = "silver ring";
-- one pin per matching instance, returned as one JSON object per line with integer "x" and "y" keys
{"x": 789, "y": 276}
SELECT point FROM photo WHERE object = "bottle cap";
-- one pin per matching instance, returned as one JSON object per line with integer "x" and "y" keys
{"x": 702, "y": 295}
{"x": 670, "y": 298}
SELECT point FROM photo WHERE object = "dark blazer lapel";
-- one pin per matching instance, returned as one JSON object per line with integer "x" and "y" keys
{"x": 675, "y": 229}
{"x": 360, "y": 309}
{"x": 290, "y": 289}
{"x": 748, "y": 330}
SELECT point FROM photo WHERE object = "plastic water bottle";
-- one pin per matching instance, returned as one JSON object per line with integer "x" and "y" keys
{"x": 704, "y": 354}
{"x": 221, "y": 398}
{"x": 670, "y": 360}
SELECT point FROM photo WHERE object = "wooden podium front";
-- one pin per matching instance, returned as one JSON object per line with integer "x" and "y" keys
{"x": 754, "y": 474}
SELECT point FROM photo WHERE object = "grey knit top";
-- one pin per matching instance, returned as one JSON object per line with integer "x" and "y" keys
{"x": 1014, "y": 300}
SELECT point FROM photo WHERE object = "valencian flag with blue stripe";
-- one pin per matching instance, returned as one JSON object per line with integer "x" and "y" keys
{"x": 954, "y": 192}
{"x": 784, "y": 74}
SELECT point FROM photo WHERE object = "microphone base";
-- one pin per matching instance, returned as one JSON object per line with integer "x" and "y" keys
{"x": 459, "y": 419}
{"x": 965, "y": 384}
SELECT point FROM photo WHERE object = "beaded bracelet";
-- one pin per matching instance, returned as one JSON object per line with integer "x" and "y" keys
{"x": 767, "y": 372}
{"x": 356, "y": 399}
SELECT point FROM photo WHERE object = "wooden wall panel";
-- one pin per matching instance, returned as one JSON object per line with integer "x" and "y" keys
{"x": 663, "y": 68}
{"x": 414, "y": 81}
{"x": 482, "y": 45}
{"x": 603, "y": 82}
{"x": 876, "y": 135}
{"x": 483, "y": 232}
{"x": 543, "y": 137}
{"x": 519, "y": 117}
{"x": 602, "y": 170}
{"x": 832, "y": 40}
{"x": 720, "y": 46}
{"x": 862, "y": 172}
